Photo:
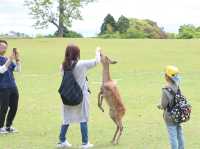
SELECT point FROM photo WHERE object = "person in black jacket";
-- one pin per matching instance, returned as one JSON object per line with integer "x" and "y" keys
{"x": 8, "y": 90}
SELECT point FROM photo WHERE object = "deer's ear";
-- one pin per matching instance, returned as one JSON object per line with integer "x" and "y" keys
{"x": 111, "y": 61}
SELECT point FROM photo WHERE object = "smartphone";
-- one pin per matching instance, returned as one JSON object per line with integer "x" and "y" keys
{"x": 15, "y": 51}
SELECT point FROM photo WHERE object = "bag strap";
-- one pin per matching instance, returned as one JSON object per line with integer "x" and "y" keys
{"x": 73, "y": 65}
{"x": 170, "y": 90}
{"x": 179, "y": 91}
{"x": 169, "y": 107}
{"x": 71, "y": 68}
{"x": 173, "y": 93}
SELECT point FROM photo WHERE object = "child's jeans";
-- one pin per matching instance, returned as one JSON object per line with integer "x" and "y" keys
{"x": 176, "y": 136}
{"x": 84, "y": 132}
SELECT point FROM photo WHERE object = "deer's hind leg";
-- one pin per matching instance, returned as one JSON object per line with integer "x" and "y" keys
{"x": 117, "y": 128}
{"x": 120, "y": 125}
{"x": 115, "y": 135}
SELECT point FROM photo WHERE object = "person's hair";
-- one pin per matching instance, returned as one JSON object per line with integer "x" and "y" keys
{"x": 3, "y": 41}
{"x": 168, "y": 79}
{"x": 72, "y": 55}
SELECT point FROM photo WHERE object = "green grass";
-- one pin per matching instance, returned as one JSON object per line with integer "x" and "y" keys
{"x": 140, "y": 79}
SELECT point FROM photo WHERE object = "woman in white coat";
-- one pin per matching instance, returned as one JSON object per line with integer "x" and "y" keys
{"x": 79, "y": 113}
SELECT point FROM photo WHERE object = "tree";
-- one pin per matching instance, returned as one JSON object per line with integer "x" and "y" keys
{"x": 122, "y": 24}
{"x": 60, "y": 13}
{"x": 198, "y": 29}
{"x": 109, "y": 25}
{"x": 149, "y": 28}
{"x": 186, "y": 31}
{"x": 171, "y": 35}
{"x": 69, "y": 34}
{"x": 134, "y": 33}
{"x": 197, "y": 34}
{"x": 131, "y": 28}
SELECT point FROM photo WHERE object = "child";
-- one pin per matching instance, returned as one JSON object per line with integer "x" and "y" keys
{"x": 79, "y": 113}
{"x": 174, "y": 129}
{"x": 8, "y": 90}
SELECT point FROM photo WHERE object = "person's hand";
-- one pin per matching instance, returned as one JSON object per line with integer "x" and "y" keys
{"x": 98, "y": 54}
{"x": 12, "y": 56}
{"x": 98, "y": 50}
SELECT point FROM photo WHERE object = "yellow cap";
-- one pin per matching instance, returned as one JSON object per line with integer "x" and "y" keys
{"x": 171, "y": 71}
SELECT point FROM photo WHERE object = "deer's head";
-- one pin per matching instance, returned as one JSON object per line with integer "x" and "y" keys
{"x": 105, "y": 60}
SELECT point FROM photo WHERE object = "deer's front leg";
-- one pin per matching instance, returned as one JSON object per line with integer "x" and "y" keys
{"x": 100, "y": 100}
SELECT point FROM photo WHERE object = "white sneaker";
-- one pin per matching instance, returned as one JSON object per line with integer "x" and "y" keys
{"x": 88, "y": 145}
{"x": 64, "y": 144}
{"x": 3, "y": 131}
{"x": 11, "y": 130}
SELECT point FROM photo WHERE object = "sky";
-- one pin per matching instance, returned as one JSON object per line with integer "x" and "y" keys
{"x": 169, "y": 14}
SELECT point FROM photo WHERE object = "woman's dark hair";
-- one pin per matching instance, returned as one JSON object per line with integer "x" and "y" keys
{"x": 3, "y": 41}
{"x": 72, "y": 55}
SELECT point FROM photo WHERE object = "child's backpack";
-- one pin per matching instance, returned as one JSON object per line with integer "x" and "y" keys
{"x": 70, "y": 91}
{"x": 181, "y": 109}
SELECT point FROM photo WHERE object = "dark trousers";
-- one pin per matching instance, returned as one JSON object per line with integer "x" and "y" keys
{"x": 84, "y": 132}
{"x": 8, "y": 100}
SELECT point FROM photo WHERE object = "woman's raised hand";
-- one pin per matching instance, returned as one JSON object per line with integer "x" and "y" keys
{"x": 98, "y": 54}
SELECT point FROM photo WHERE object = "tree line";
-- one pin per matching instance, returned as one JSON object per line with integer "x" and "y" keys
{"x": 143, "y": 28}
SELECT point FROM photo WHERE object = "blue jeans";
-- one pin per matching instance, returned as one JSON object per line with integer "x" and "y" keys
{"x": 176, "y": 136}
{"x": 84, "y": 132}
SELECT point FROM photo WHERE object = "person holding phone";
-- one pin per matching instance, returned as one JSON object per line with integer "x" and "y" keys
{"x": 9, "y": 95}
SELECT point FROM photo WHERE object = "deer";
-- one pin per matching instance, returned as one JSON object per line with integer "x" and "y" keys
{"x": 110, "y": 92}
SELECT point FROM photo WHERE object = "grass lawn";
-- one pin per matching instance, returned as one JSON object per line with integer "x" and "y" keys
{"x": 139, "y": 77}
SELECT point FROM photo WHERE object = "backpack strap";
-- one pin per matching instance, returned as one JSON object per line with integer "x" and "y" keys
{"x": 179, "y": 91}
{"x": 170, "y": 91}
{"x": 73, "y": 65}
{"x": 173, "y": 93}
{"x": 71, "y": 68}
{"x": 169, "y": 107}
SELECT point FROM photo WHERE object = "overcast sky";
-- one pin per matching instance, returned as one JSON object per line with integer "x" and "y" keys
{"x": 169, "y": 14}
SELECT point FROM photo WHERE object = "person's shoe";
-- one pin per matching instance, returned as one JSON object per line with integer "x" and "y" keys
{"x": 88, "y": 145}
{"x": 3, "y": 131}
{"x": 64, "y": 144}
{"x": 11, "y": 130}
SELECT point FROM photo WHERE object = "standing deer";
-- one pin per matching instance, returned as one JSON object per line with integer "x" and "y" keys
{"x": 111, "y": 94}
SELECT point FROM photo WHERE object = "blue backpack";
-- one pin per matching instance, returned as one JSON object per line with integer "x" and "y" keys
{"x": 70, "y": 91}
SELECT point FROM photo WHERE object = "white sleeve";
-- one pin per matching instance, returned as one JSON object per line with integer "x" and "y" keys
{"x": 61, "y": 71}
{"x": 3, "y": 69}
{"x": 18, "y": 67}
{"x": 93, "y": 62}
{"x": 88, "y": 64}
